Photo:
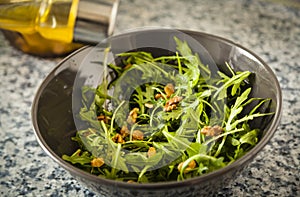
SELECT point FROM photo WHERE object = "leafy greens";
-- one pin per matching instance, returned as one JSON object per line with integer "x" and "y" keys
{"x": 178, "y": 122}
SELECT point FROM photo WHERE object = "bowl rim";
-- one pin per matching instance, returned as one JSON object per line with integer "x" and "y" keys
{"x": 168, "y": 184}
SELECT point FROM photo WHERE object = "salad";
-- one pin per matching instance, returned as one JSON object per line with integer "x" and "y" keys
{"x": 166, "y": 118}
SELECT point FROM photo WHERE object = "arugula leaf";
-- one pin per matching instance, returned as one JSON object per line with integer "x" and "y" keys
{"x": 192, "y": 62}
{"x": 236, "y": 81}
{"x": 79, "y": 158}
{"x": 178, "y": 142}
{"x": 237, "y": 109}
{"x": 249, "y": 138}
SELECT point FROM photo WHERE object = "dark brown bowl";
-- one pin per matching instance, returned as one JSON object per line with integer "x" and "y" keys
{"x": 54, "y": 125}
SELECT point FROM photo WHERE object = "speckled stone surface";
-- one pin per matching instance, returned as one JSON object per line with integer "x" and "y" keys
{"x": 269, "y": 28}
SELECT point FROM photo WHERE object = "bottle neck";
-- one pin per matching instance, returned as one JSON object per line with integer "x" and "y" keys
{"x": 95, "y": 20}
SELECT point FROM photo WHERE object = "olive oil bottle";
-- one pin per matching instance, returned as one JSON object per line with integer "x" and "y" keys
{"x": 56, "y": 27}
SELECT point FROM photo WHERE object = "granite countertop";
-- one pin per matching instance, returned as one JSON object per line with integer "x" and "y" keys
{"x": 270, "y": 28}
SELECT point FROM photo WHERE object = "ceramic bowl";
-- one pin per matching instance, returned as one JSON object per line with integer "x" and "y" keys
{"x": 52, "y": 116}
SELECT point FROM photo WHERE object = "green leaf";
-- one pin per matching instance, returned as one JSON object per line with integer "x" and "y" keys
{"x": 239, "y": 152}
{"x": 89, "y": 116}
{"x": 173, "y": 115}
{"x": 235, "y": 142}
{"x": 237, "y": 109}
{"x": 212, "y": 163}
{"x": 138, "y": 57}
{"x": 236, "y": 79}
{"x": 78, "y": 158}
{"x": 196, "y": 148}
{"x": 249, "y": 117}
{"x": 250, "y": 138}
{"x": 118, "y": 162}
{"x": 242, "y": 98}
{"x": 178, "y": 142}
{"x": 192, "y": 63}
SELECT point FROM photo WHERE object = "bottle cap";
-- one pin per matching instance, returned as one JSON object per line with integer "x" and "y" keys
{"x": 95, "y": 20}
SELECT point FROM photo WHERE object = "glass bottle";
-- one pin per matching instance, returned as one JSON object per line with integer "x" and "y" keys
{"x": 56, "y": 27}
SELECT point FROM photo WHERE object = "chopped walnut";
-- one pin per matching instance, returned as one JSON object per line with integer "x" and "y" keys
{"x": 174, "y": 100}
{"x": 151, "y": 152}
{"x": 124, "y": 131}
{"x": 170, "y": 107}
{"x": 158, "y": 96}
{"x": 97, "y": 162}
{"x": 137, "y": 135}
{"x": 104, "y": 118}
{"x": 212, "y": 131}
{"x": 191, "y": 166}
{"x": 133, "y": 114}
{"x": 167, "y": 108}
{"x": 169, "y": 90}
{"x": 118, "y": 138}
{"x": 172, "y": 103}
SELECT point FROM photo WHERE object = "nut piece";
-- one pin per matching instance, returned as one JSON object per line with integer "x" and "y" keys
{"x": 118, "y": 138}
{"x": 212, "y": 131}
{"x": 168, "y": 108}
{"x": 172, "y": 103}
{"x": 97, "y": 162}
{"x": 158, "y": 96}
{"x": 169, "y": 89}
{"x": 137, "y": 135}
{"x": 174, "y": 100}
{"x": 151, "y": 152}
{"x": 104, "y": 118}
{"x": 124, "y": 131}
{"x": 133, "y": 114}
{"x": 191, "y": 166}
